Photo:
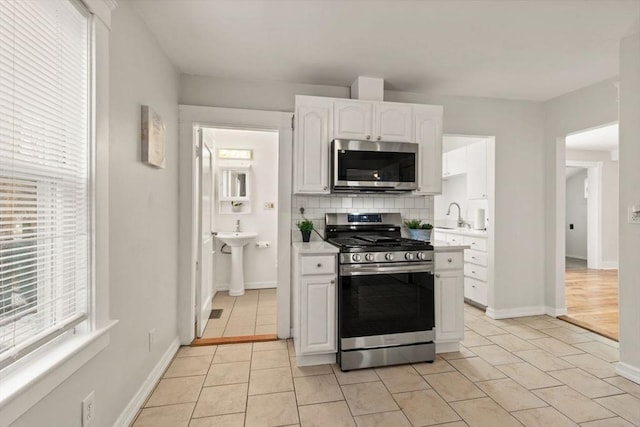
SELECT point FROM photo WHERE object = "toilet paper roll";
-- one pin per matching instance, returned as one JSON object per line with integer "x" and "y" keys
{"x": 478, "y": 222}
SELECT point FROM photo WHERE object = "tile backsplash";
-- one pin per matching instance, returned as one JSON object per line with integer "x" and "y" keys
{"x": 410, "y": 207}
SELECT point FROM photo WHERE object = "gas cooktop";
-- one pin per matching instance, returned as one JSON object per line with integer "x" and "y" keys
{"x": 368, "y": 243}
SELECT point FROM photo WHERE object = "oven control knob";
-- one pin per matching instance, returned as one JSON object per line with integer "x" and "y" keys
{"x": 408, "y": 256}
{"x": 388, "y": 256}
{"x": 356, "y": 257}
{"x": 421, "y": 255}
{"x": 368, "y": 257}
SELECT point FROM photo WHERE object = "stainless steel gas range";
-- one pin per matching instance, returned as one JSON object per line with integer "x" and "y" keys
{"x": 385, "y": 291}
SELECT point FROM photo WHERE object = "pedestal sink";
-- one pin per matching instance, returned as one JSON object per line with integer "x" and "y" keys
{"x": 236, "y": 240}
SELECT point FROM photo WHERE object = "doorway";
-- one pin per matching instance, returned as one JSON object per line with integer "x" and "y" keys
{"x": 193, "y": 118}
{"x": 245, "y": 196}
{"x": 591, "y": 230}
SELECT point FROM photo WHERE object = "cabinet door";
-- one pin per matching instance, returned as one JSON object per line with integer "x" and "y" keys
{"x": 456, "y": 162}
{"x": 427, "y": 121}
{"x": 311, "y": 148}
{"x": 392, "y": 122}
{"x": 353, "y": 120}
{"x": 449, "y": 294}
{"x": 477, "y": 170}
{"x": 318, "y": 311}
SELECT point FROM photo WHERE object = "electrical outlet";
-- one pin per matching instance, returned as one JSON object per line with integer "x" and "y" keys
{"x": 88, "y": 410}
{"x": 634, "y": 214}
{"x": 152, "y": 338}
{"x": 269, "y": 205}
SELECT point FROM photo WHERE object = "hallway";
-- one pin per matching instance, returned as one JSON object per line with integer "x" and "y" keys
{"x": 592, "y": 298}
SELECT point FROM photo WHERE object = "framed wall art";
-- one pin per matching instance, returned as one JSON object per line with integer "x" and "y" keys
{"x": 153, "y": 138}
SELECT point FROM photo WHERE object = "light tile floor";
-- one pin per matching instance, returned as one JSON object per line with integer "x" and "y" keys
{"x": 531, "y": 371}
{"x": 253, "y": 313}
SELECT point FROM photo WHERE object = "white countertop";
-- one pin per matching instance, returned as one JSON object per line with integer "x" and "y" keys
{"x": 442, "y": 246}
{"x": 462, "y": 231}
{"x": 315, "y": 247}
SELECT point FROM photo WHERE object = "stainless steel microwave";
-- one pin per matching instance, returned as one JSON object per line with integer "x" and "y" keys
{"x": 374, "y": 166}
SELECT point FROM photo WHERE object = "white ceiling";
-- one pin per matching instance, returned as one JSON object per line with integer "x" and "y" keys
{"x": 601, "y": 139}
{"x": 525, "y": 49}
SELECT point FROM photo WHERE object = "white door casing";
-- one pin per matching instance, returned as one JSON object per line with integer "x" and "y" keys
{"x": 204, "y": 182}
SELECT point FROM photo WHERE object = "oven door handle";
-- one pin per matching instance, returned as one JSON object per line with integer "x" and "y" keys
{"x": 359, "y": 270}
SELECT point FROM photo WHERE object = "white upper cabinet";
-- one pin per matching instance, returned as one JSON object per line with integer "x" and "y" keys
{"x": 313, "y": 130}
{"x": 353, "y": 120}
{"x": 477, "y": 171}
{"x": 454, "y": 162}
{"x": 428, "y": 131}
{"x": 393, "y": 122}
{"x": 374, "y": 121}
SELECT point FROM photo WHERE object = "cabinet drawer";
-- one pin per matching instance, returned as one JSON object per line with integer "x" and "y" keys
{"x": 318, "y": 264}
{"x": 475, "y": 271}
{"x": 475, "y": 290}
{"x": 475, "y": 257}
{"x": 448, "y": 260}
{"x": 454, "y": 238}
{"x": 477, "y": 243}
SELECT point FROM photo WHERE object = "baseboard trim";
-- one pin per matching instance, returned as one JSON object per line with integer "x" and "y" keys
{"x": 515, "y": 312}
{"x": 609, "y": 265}
{"x": 234, "y": 340}
{"x": 576, "y": 257}
{"x": 555, "y": 312}
{"x": 249, "y": 285}
{"x": 447, "y": 347}
{"x": 129, "y": 414}
{"x": 629, "y": 372}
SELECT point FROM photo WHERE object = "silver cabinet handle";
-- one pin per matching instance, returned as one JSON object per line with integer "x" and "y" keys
{"x": 438, "y": 276}
{"x": 450, "y": 260}
{"x": 319, "y": 265}
{"x": 473, "y": 243}
{"x": 324, "y": 188}
{"x": 379, "y": 138}
{"x": 368, "y": 136}
{"x": 333, "y": 281}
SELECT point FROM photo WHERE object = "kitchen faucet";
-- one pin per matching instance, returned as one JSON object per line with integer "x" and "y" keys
{"x": 460, "y": 220}
{"x": 237, "y": 226}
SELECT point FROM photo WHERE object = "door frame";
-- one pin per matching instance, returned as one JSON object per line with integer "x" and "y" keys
{"x": 190, "y": 118}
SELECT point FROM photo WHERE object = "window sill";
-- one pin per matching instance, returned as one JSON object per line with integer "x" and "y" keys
{"x": 37, "y": 376}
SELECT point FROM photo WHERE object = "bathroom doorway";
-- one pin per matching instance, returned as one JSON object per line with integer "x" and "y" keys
{"x": 192, "y": 119}
{"x": 245, "y": 171}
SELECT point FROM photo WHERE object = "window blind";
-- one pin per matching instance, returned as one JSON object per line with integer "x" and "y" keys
{"x": 44, "y": 172}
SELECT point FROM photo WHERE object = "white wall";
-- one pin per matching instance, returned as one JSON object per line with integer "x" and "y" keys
{"x": 143, "y": 221}
{"x": 609, "y": 202}
{"x": 629, "y": 276}
{"x": 576, "y": 208}
{"x": 260, "y": 264}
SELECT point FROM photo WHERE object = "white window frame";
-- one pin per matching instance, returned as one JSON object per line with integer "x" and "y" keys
{"x": 31, "y": 378}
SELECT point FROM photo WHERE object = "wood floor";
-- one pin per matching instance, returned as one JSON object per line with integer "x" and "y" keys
{"x": 592, "y": 299}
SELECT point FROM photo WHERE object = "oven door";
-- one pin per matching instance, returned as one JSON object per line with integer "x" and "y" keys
{"x": 385, "y": 305}
{"x": 366, "y": 165}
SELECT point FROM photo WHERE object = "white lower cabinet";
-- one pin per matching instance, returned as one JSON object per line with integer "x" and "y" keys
{"x": 314, "y": 304}
{"x": 318, "y": 315}
{"x": 449, "y": 300}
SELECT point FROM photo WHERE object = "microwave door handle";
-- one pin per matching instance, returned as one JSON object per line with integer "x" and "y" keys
{"x": 353, "y": 270}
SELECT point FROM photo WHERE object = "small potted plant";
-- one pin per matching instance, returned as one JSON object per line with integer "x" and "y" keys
{"x": 418, "y": 230}
{"x": 305, "y": 226}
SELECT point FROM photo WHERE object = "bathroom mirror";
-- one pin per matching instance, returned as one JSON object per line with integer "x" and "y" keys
{"x": 234, "y": 183}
